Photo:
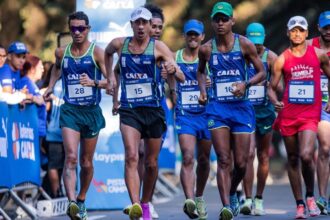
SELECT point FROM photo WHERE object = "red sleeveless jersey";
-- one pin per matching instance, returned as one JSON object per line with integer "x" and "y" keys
{"x": 302, "y": 95}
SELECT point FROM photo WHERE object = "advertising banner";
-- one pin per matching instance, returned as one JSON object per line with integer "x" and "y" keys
{"x": 19, "y": 157}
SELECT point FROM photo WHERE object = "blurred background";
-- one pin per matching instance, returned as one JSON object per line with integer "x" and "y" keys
{"x": 38, "y": 22}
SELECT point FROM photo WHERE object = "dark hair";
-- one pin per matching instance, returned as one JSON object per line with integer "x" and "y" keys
{"x": 2, "y": 47}
{"x": 30, "y": 62}
{"x": 156, "y": 11}
{"x": 78, "y": 15}
{"x": 44, "y": 81}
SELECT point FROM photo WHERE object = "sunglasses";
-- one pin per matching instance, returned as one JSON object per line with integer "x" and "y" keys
{"x": 224, "y": 19}
{"x": 81, "y": 29}
{"x": 295, "y": 22}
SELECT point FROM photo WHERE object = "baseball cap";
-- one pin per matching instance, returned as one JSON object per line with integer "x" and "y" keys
{"x": 193, "y": 25}
{"x": 222, "y": 7}
{"x": 324, "y": 19}
{"x": 255, "y": 32}
{"x": 141, "y": 12}
{"x": 17, "y": 48}
{"x": 297, "y": 21}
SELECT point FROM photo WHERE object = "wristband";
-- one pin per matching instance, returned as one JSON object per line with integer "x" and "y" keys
{"x": 247, "y": 84}
{"x": 96, "y": 82}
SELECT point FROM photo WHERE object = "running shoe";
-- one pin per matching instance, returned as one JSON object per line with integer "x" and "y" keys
{"x": 234, "y": 204}
{"x": 190, "y": 208}
{"x": 201, "y": 208}
{"x": 153, "y": 212}
{"x": 226, "y": 213}
{"x": 82, "y": 214}
{"x": 246, "y": 208}
{"x": 126, "y": 209}
{"x": 135, "y": 211}
{"x": 258, "y": 207}
{"x": 72, "y": 210}
{"x": 146, "y": 211}
{"x": 322, "y": 204}
{"x": 301, "y": 212}
{"x": 312, "y": 207}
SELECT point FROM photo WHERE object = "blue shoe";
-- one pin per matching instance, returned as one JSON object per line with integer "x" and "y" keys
{"x": 82, "y": 214}
{"x": 234, "y": 204}
{"x": 226, "y": 213}
{"x": 323, "y": 205}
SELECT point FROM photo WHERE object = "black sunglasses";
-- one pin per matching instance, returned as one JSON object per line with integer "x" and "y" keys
{"x": 224, "y": 19}
{"x": 81, "y": 29}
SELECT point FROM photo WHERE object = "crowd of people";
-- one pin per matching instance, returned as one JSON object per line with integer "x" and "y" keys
{"x": 229, "y": 92}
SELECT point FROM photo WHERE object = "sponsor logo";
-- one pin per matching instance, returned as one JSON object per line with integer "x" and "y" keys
{"x": 111, "y": 186}
{"x": 136, "y": 76}
{"x": 3, "y": 140}
{"x": 228, "y": 73}
{"x": 108, "y": 158}
{"x": 210, "y": 123}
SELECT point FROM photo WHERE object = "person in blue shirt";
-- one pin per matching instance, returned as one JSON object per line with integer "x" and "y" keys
{"x": 191, "y": 123}
{"x": 230, "y": 115}
{"x": 265, "y": 116}
{"x": 81, "y": 117}
{"x": 10, "y": 74}
{"x": 141, "y": 114}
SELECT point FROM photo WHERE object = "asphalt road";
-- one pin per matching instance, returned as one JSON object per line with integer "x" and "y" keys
{"x": 279, "y": 204}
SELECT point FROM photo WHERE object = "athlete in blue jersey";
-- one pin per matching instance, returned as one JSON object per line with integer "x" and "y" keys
{"x": 191, "y": 123}
{"x": 265, "y": 116}
{"x": 81, "y": 117}
{"x": 141, "y": 115}
{"x": 230, "y": 115}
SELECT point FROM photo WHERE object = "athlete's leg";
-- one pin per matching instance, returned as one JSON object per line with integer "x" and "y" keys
{"x": 292, "y": 150}
{"x": 203, "y": 165}
{"x": 263, "y": 145}
{"x": 71, "y": 140}
{"x": 131, "y": 138}
{"x": 187, "y": 175}
{"x": 249, "y": 174}
{"x": 240, "y": 153}
{"x": 323, "y": 157}
{"x": 87, "y": 150}
{"x": 151, "y": 167}
{"x": 141, "y": 160}
{"x": 221, "y": 144}
{"x": 306, "y": 148}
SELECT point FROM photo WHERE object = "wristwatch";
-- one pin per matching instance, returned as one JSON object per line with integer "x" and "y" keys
{"x": 96, "y": 83}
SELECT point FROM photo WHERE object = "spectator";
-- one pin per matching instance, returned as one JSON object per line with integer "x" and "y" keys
{"x": 3, "y": 55}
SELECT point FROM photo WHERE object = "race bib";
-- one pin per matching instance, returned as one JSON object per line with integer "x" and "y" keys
{"x": 137, "y": 91}
{"x": 190, "y": 98}
{"x": 79, "y": 91}
{"x": 224, "y": 90}
{"x": 301, "y": 92}
{"x": 324, "y": 84}
{"x": 256, "y": 94}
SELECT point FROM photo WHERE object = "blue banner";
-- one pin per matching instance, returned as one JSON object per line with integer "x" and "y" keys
{"x": 19, "y": 156}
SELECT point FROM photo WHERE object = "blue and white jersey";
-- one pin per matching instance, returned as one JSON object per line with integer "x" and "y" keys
{"x": 72, "y": 67}
{"x": 257, "y": 94}
{"x": 225, "y": 69}
{"x": 188, "y": 91}
{"x": 140, "y": 77}
{"x": 9, "y": 77}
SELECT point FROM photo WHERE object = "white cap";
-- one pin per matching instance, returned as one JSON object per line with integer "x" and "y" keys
{"x": 297, "y": 21}
{"x": 141, "y": 12}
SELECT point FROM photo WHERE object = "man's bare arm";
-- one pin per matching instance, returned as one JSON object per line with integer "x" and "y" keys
{"x": 55, "y": 72}
{"x": 275, "y": 79}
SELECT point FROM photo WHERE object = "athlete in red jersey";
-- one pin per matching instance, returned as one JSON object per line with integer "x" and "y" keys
{"x": 323, "y": 133}
{"x": 299, "y": 112}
